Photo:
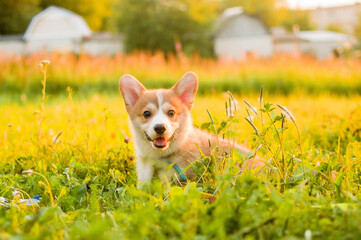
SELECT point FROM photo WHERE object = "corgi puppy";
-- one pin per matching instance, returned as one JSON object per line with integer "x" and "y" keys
{"x": 161, "y": 125}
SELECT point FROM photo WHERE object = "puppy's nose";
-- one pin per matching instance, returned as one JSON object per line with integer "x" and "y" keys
{"x": 159, "y": 128}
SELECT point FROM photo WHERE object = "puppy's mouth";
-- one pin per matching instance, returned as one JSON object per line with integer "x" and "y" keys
{"x": 159, "y": 142}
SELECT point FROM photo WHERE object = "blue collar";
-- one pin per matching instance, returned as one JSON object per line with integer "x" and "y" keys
{"x": 178, "y": 170}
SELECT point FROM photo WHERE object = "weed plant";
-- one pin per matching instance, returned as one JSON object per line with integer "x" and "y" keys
{"x": 87, "y": 75}
{"x": 79, "y": 159}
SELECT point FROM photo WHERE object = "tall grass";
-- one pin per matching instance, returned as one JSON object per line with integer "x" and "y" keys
{"x": 83, "y": 168}
{"x": 90, "y": 170}
{"x": 85, "y": 74}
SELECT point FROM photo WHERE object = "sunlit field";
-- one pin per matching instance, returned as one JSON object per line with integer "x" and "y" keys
{"x": 279, "y": 74}
{"x": 70, "y": 145}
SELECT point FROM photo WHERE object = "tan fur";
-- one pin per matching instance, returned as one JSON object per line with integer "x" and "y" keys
{"x": 183, "y": 138}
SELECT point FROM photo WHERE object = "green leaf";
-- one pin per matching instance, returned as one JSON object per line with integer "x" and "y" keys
{"x": 339, "y": 179}
{"x": 205, "y": 126}
{"x": 324, "y": 166}
{"x": 268, "y": 106}
{"x": 278, "y": 118}
{"x": 47, "y": 214}
{"x": 79, "y": 191}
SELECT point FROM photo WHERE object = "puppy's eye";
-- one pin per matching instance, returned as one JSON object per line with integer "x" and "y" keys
{"x": 171, "y": 113}
{"x": 147, "y": 114}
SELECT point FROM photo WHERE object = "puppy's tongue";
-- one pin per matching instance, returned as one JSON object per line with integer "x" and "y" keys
{"x": 160, "y": 142}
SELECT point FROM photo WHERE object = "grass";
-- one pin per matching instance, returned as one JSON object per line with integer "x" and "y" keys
{"x": 82, "y": 165}
{"x": 88, "y": 75}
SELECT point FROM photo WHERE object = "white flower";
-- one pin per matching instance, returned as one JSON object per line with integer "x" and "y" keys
{"x": 253, "y": 109}
{"x": 56, "y": 138}
{"x": 308, "y": 235}
{"x": 235, "y": 105}
{"x": 16, "y": 194}
{"x": 250, "y": 118}
{"x": 230, "y": 111}
{"x": 29, "y": 172}
{"x": 287, "y": 113}
{"x": 254, "y": 127}
{"x": 44, "y": 63}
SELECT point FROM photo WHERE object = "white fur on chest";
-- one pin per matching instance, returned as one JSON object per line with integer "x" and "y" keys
{"x": 148, "y": 159}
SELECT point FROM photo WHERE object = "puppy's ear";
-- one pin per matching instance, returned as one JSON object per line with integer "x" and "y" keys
{"x": 186, "y": 88}
{"x": 131, "y": 89}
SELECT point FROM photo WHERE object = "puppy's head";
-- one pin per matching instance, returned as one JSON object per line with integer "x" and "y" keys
{"x": 160, "y": 116}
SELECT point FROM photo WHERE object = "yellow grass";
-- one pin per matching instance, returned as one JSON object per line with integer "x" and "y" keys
{"x": 100, "y": 123}
{"x": 76, "y": 156}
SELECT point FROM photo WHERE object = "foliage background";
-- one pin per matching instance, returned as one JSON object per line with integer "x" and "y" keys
{"x": 155, "y": 25}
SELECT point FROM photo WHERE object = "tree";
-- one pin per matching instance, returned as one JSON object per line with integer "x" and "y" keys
{"x": 157, "y": 25}
{"x": 298, "y": 17}
{"x": 267, "y": 10}
{"x": 357, "y": 33}
{"x": 335, "y": 28}
{"x": 15, "y": 15}
{"x": 357, "y": 30}
{"x": 95, "y": 12}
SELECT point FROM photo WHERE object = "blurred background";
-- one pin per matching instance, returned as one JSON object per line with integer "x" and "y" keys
{"x": 222, "y": 28}
{"x": 231, "y": 44}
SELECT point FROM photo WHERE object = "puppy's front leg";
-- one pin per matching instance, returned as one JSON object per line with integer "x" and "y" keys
{"x": 145, "y": 171}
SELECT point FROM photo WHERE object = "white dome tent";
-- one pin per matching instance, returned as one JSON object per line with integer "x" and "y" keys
{"x": 239, "y": 34}
{"x": 56, "y": 28}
